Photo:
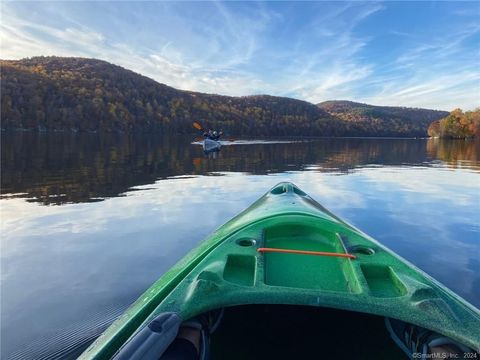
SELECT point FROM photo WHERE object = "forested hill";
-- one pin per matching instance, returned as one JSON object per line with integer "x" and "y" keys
{"x": 382, "y": 120}
{"x": 86, "y": 94}
{"x": 55, "y": 93}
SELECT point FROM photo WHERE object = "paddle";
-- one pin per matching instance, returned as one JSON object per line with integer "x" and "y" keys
{"x": 197, "y": 126}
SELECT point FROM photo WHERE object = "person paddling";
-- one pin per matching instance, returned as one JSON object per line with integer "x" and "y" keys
{"x": 210, "y": 134}
{"x": 216, "y": 135}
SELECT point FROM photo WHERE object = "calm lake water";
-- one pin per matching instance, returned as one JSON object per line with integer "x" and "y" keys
{"x": 88, "y": 222}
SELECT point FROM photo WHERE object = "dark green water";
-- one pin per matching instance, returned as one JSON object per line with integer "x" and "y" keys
{"x": 88, "y": 222}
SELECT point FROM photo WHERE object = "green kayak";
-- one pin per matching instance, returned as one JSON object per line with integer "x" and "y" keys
{"x": 291, "y": 275}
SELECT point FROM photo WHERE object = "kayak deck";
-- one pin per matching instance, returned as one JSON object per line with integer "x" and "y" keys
{"x": 356, "y": 274}
{"x": 301, "y": 270}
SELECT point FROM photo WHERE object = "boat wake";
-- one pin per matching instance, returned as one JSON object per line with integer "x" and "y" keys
{"x": 252, "y": 142}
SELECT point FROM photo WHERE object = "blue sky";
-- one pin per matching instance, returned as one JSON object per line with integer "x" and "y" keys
{"x": 420, "y": 54}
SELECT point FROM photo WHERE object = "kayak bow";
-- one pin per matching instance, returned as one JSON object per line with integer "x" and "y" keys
{"x": 288, "y": 249}
{"x": 210, "y": 145}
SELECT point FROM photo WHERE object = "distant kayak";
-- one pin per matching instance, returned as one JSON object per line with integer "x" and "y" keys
{"x": 294, "y": 280}
{"x": 210, "y": 145}
{"x": 255, "y": 142}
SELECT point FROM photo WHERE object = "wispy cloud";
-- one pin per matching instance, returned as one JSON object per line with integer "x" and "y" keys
{"x": 439, "y": 72}
{"x": 439, "y": 47}
{"x": 219, "y": 48}
{"x": 312, "y": 51}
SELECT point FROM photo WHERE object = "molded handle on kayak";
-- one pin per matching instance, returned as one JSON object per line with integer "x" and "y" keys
{"x": 152, "y": 340}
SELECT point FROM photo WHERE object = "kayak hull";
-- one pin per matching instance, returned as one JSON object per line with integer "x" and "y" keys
{"x": 230, "y": 268}
{"x": 210, "y": 145}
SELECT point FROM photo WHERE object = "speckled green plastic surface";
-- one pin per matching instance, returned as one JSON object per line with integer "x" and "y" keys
{"x": 226, "y": 270}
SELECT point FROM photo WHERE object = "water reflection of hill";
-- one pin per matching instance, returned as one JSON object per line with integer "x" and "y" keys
{"x": 66, "y": 168}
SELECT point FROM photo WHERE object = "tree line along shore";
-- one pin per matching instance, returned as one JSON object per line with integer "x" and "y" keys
{"x": 79, "y": 94}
